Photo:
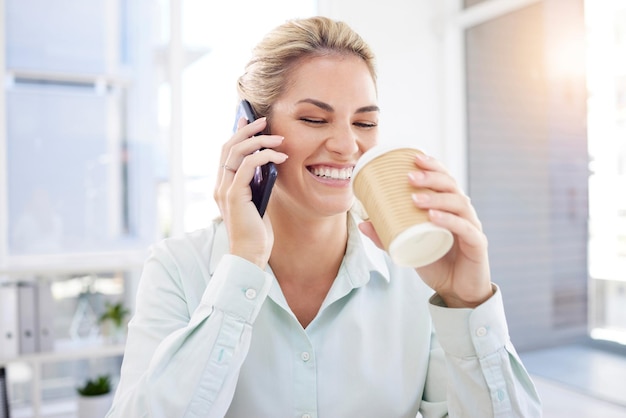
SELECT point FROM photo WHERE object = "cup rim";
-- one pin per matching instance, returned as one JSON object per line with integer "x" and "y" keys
{"x": 373, "y": 153}
{"x": 423, "y": 252}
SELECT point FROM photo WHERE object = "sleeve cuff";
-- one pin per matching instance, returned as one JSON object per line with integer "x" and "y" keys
{"x": 237, "y": 288}
{"x": 474, "y": 332}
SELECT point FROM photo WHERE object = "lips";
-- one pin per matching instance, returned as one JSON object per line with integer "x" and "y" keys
{"x": 334, "y": 173}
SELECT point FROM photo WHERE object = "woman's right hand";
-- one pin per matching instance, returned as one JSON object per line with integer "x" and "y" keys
{"x": 250, "y": 236}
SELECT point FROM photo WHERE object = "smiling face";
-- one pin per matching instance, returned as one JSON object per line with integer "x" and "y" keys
{"x": 329, "y": 117}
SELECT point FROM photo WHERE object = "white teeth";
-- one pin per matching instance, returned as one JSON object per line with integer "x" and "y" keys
{"x": 333, "y": 173}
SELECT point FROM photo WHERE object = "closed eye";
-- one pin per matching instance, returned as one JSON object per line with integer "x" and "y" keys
{"x": 313, "y": 121}
{"x": 366, "y": 125}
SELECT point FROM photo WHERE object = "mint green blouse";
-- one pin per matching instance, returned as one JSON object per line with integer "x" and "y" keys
{"x": 213, "y": 336}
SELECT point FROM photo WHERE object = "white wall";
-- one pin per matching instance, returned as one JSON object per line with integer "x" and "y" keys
{"x": 409, "y": 59}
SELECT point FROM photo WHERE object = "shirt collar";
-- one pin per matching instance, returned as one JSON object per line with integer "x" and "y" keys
{"x": 363, "y": 258}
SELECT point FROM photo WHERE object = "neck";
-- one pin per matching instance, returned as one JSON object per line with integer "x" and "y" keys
{"x": 306, "y": 258}
{"x": 306, "y": 249}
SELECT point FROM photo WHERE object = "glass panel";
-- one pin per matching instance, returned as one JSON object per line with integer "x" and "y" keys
{"x": 41, "y": 37}
{"x": 606, "y": 22}
{"x": 80, "y": 149}
{"x": 527, "y": 166}
{"x": 608, "y": 315}
{"x": 67, "y": 173}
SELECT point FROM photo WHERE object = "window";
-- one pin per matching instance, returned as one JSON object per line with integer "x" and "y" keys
{"x": 606, "y": 24}
{"x": 217, "y": 40}
{"x": 76, "y": 157}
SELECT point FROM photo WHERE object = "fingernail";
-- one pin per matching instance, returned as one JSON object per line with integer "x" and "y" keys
{"x": 422, "y": 156}
{"x": 420, "y": 198}
{"x": 416, "y": 176}
{"x": 435, "y": 214}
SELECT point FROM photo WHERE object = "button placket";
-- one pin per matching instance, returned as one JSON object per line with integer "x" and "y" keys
{"x": 305, "y": 377}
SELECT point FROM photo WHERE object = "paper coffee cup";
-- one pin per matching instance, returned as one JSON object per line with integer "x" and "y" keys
{"x": 380, "y": 183}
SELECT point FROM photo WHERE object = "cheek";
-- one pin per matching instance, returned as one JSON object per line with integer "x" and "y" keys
{"x": 368, "y": 141}
{"x": 296, "y": 156}
{"x": 299, "y": 145}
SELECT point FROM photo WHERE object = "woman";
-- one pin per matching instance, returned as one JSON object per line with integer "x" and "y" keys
{"x": 298, "y": 313}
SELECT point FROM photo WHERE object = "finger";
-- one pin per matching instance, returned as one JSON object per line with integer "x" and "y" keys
{"x": 238, "y": 150}
{"x": 229, "y": 169}
{"x": 238, "y": 190}
{"x": 439, "y": 181}
{"x": 225, "y": 151}
{"x": 244, "y": 131}
{"x": 242, "y": 122}
{"x": 250, "y": 162}
{"x": 457, "y": 204}
{"x": 428, "y": 163}
{"x": 472, "y": 241}
{"x": 231, "y": 165}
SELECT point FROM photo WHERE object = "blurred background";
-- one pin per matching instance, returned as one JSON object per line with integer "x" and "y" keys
{"x": 113, "y": 112}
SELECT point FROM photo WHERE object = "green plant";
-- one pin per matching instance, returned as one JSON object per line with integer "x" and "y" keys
{"x": 94, "y": 387}
{"x": 116, "y": 312}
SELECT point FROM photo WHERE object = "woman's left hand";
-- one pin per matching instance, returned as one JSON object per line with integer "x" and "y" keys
{"x": 462, "y": 277}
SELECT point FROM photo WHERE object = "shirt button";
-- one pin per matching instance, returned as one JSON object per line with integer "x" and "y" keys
{"x": 501, "y": 395}
{"x": 251, "y": 293}
{"x": 305, "y": 356}
{"x": 481, "y": 332}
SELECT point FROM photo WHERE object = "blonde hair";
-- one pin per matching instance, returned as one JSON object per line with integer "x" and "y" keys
{"x": 266, "y": 75}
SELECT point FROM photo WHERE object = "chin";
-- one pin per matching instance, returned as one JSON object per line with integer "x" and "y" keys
{"x": 334, "y": 206}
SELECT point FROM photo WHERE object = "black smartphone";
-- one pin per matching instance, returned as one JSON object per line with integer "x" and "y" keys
{"x": 265, "y": 175}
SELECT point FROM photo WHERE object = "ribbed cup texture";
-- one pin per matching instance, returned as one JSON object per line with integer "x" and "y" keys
{"x": 382, "y": 186}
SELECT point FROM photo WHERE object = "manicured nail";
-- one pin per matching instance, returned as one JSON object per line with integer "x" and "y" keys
{"x": 420, "y": 198}
{"x": 416, "y": 176}
{"x": 435, "y": 214}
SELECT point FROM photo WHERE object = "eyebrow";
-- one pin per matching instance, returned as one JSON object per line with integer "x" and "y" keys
{"x": 329, "y": 108}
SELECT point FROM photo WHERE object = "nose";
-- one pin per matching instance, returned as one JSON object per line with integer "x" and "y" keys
{"x": 344, "y": 140}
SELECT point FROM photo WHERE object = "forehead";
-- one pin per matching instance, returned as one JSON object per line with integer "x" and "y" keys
{"x": 332, "y": 76}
